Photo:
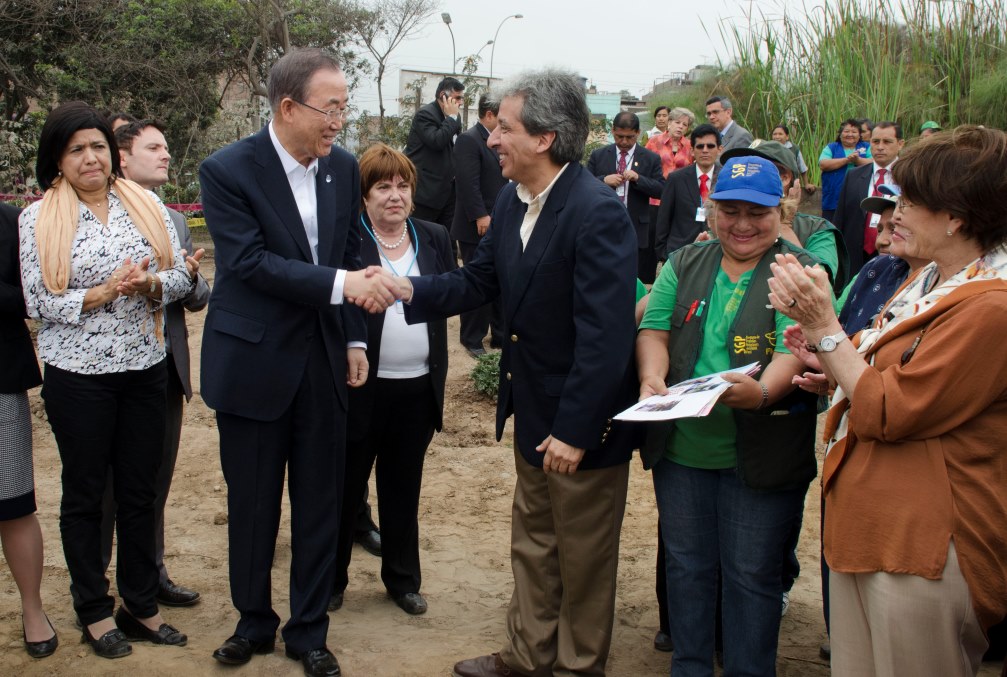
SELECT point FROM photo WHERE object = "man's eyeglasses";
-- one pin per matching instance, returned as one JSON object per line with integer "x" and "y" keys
{"x": 335, "y": 114}
{"x": 711, "y": 113}
{"x": 704, "y": 146}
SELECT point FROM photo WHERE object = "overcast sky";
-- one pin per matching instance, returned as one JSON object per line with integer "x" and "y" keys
{"x": 614, "y": 45}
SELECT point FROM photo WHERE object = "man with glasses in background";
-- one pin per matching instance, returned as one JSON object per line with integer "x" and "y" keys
{"x": 720, "y": 114}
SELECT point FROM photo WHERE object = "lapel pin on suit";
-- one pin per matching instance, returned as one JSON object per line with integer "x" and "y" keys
{"x": 328, "y": 179}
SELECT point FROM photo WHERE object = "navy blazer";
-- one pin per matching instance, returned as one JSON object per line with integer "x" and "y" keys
{"x": 478, "y": 180}
{"x": 567, "y": 303}
{"x": 18, "y": 365}
{"x": 850, "y": 217}
{"x": 676, "y": 217}
{"x": 429, "y": 145}
{"x": 434, "y": 256}
{"x": 269, "y": 300}
{"x": 647, "y": 164}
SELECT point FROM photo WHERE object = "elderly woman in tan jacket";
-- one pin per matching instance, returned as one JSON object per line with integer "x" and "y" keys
{"x": 915, "y": 478}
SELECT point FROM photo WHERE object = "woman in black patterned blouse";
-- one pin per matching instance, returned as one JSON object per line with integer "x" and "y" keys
{"x": 99, "y": 259}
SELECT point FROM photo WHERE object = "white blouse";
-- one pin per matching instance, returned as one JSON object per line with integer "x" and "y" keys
{"x": 117, "y": 336}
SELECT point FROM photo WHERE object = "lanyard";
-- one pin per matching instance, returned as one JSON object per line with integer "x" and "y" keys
{"x": 416, "y": 246}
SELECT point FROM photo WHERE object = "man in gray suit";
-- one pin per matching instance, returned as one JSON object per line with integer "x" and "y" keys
{"x": 720, "y": 114}
{"x": 144, "y": 158}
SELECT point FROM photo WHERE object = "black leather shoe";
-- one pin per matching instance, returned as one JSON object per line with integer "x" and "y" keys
{"x": 139, "y": 632}
{"x": 476, "y": 352}
{"x": 238, "y": 650}
{"x": 317, "y": 662}
{"x": 336, "y": 602}
{"x": 412, "y": 603}
{"x": 46, "y": 647}
{"x": 113, "y": 644}
{"x": 170, "y": 594}
{"x": 662, "y": 642}
{"x": 370, "y": 541}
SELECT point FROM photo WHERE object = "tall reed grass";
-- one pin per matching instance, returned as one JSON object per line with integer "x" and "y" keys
{"x": 908, "y": 61}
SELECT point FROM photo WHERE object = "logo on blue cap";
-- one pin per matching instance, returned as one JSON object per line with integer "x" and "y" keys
{"x": 749, "y": 179}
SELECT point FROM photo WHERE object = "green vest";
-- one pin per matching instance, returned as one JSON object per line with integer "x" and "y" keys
{"x": 787, "y": 427}
{"x": 806, "y": 225}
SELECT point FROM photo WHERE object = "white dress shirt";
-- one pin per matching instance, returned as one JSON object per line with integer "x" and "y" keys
{"x": 535, "y": 204}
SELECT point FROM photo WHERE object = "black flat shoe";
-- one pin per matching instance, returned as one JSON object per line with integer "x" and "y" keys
{"x": 170, "y": 594}
{"x": 238, "y": 650}
{"x": 412, "y": 603}
{"x": 336, "y": 601}
{"x": 46, "y": 647}
{"x": 113, "y": 644}
{"x": 317, "y": 662}
{"x": 139, "y": 632}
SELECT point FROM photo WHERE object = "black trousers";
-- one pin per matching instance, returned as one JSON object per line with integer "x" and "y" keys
{"x": 646, "y": 260}
{"x": 174, "y": 406}
{"x": 308, "y": 443}
{"x": 396, "y": 432}
{"x": 475, "y": 323}
{"x": 103, "y": 422}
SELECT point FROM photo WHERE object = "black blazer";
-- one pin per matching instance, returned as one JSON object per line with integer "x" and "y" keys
{"x": 676, "y": 218}
{"x": 850, "y": 218}
{"x": 434, "y": 256}
{"x": 567, "y": 303}
{"x": 478, "y": 179}
{"x": 429, "y": 146}
{"x": 18, "y": 364}
{"x": 269, "y": 300}
{"x": 647, "y": 164}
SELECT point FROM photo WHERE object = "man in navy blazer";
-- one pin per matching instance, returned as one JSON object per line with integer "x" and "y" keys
{"x": 680, "y": 218}
{"x": 280, "y": 346}
{"x": 478, "y": 179}
{"x": 561, "y": 255}
{"x": 640, "y": 180}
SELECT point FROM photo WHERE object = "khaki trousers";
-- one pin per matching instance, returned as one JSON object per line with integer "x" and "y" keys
{"x": 894, "y": 625}
{"x": 564, "y": 554}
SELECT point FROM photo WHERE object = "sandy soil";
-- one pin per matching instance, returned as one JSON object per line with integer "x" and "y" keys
{"x": 465, "y": 534}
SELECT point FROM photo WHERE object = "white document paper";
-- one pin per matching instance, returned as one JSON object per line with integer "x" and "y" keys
{"x": 691, "y": 398}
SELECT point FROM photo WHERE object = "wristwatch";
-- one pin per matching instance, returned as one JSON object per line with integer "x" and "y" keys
{"x": 827, "y": 344}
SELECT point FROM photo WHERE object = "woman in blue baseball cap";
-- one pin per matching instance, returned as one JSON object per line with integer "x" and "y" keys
{"x": 730, "y": 486}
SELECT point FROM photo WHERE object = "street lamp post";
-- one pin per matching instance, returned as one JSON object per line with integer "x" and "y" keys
{"x": 446, "y": 17}
{"x": 495, "y": 35}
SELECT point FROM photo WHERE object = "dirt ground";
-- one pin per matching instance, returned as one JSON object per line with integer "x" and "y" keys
{"x": 465, "y": 534}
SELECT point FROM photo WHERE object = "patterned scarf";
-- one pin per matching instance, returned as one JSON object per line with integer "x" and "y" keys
{"x": 919, "y": 295}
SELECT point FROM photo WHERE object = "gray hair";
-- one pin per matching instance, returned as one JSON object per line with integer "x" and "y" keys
{"x": 724, "y": 102}
{"x": 290, "y": 75}
{"x": 682, "y": 112}
{"x": 553, "y": 102}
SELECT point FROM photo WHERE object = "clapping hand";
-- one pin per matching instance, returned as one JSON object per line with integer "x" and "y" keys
{"x": 136, "y": 280}
{"x": 192, "y": 262}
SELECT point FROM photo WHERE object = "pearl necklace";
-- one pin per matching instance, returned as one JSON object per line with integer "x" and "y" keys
{"x": 391, "y": 246}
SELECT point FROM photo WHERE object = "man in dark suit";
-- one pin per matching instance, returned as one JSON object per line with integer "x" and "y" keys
{"x": 429, "y": 145}
{"x": 720, "y": 114}
{"x": 478, "y": 179}
{"x": 681, "y": 216}
{"x": 280, "y": 346}
{"x": 634, "y": 173}
{"x": 144, "y": 158}
{"x": 859, "y": 228}
{"x": 561, "y": 255}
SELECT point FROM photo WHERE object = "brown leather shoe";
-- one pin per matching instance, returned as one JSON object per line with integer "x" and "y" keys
{"x": 485, "y": 666}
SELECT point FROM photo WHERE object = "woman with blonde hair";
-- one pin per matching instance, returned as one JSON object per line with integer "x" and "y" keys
{"x": 99, "y": 259}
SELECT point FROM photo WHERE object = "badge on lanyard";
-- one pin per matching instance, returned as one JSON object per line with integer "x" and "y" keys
{"x": 701, "y": 214}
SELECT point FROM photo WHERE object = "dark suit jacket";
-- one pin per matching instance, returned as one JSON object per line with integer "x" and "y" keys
{"x": 434, "y": 256}
{"x": 18, "y": 364}
{"x": 647, "y": 164}
{"x": 269, "y": 300}
{"x": 568, "y": 303}
{"x": 478, "y": 179}
{"x": 850, "y": 218}
{"x": 429, "y": 146}
{"x": 174, "y": 313}
{"x": 676, "y": 218}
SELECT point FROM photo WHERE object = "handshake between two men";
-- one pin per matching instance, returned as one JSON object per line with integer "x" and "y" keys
{"x": 374, "y": 289}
